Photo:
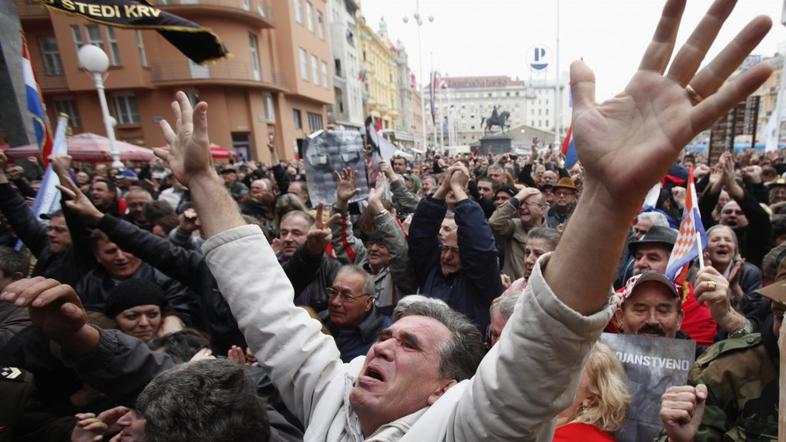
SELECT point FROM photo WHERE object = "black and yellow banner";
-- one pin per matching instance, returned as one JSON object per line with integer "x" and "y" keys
{"x": 195, "y": 42}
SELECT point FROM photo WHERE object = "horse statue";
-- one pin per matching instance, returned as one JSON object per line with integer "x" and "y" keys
{"x": 496, "y": 119}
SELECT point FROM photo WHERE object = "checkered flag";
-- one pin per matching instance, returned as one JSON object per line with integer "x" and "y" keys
{"x": 691, "y": 230}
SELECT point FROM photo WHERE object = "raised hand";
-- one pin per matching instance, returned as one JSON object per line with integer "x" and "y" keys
{"x": 628, "y": 142}
{"x": 345, "y": 186}
{"x": 391, "y": 175}
{"x": 375, "y": 196}
{"x": 682, "y": 409}
{"x": 90, "y": 427}
{"x": 189, "y": 148}
{"x": 318, "y": 236}
{"x": 76, "y": 201}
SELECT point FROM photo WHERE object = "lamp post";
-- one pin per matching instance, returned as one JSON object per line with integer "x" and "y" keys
{"x": 419, "y": 21}
{"x": 96, "y": 62}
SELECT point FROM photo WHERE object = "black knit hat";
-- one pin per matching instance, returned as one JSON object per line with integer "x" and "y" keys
{"x": 131, "y": 293}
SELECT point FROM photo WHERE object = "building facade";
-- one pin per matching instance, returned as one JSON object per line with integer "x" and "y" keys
{"x": 254, "y": 96}
{"x": 405, "y": 130}
{"x": 348, "y": 89}
{"x": 378, "y": 71}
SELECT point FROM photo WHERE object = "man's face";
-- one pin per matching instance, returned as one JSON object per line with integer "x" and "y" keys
{"x": 101, "y": 196}
{"x": 292, "y": 234}
{"x": 778, "y": 195}
{"x": 732, "y": 215}
{"x": 486, "y": 190}
{"x": 141, "y": 321}
{"x": 298, "y": 191}
{"x": 116, "y": 262}
{"x": 497, "y": 176}
{"x": 378, "y": 254}
{"x": 258, "y": 187}
{"x": 721, "y": 247}
{"x": 82, "y": 178}
{"x": 498, "y": 322}
{"x": 449, "y": 258}
{"x": 564, "y": 198}
{"x": 650, "y": 257}
{"x": 501, "y": 198}
{"x": 58, "y": 234}
{"x": 642, "y": 226}
{"x": 531, "y": 211}
{"x": 548, "y": 195}
{"x": 534, "y": 249}
{"x": 723, "y": 198}
{"x": 136, "y": 203}
{"x": 401, "y": 373}
{"x": 539, "y": 171}
{"x": 651, "y": 311}
{"x": 229, "y": 177}
{"x": 428, "y": 186}
{"x": 400, "y": 165}
{"x": 549, "y": 177}
{"x": 448, "y": 225}
{"x": 350, "y": 304}
{"x": 133, "y": 425}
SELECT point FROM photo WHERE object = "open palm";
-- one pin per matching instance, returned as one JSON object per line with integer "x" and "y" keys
{"x": 628, "y": 142}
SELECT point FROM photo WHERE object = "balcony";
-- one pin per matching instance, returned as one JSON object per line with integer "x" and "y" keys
{"x": 255, "y": 12}
{"x": 222, "y": 72}
{"x": 52, "y": 83}
{"x": 31, "y": 10}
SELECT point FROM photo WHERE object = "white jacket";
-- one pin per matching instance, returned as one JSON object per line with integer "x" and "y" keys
{"x": 521, "y": 385}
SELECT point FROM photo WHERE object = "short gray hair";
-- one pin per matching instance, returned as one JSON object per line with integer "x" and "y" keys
{"x": 368, "y": 281}
{"x": 656, "y": 218}
{"x": 505, "y": 305}
{"x": 551, "y": 236}
{"x": 461, "y": 355}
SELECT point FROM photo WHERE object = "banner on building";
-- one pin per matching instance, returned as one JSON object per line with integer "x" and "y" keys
{"x": 194, "y": 41}
{"x": 652, "y": 365}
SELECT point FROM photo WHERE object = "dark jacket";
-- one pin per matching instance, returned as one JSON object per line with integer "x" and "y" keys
{"x": 186, "y": 266}
{"x": 470, "y": 290}
{"x": 121, "y": 366}
{"x": 67, "y": 266}
{"x": 95, "y": 286}
{"x": 754, "y": 239}
{"x": 357, "y": 341}
{"x": 310, "y": 276}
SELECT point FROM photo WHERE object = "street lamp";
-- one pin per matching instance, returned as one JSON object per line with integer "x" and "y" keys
{"x": 95, "y": 61}
{"x": 419, "y": 21}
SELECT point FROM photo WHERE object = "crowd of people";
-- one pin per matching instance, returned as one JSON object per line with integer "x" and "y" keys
{"x": 462, "y": 300}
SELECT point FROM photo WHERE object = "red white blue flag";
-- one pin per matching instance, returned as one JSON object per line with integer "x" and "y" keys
{"x": 569, "y": 149}
{"x": 692, "y": 238}
{"x": 36, "y": 107}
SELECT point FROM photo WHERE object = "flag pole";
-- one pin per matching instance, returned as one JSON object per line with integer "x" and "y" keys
{"x": 699, "y": 249}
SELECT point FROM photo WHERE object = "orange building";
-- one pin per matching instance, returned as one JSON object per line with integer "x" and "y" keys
{"x": 265, "y": 88}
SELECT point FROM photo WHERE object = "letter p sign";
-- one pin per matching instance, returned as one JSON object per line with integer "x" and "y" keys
{"x": 539, "y": 58}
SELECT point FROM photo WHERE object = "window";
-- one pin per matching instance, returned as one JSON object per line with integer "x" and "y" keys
{"x": 126, "y": 109}
{"x": 309, "y": 18}
{"x": 314, "y": 69}
{"x": 94, "y": 36}
{"x": 67, "y": 106}
{"x": 270, "y": 112}
{"x": 298, "y": 11}
{"x": 114, "y": 50}
{"x": 52, "y": 63}
{"x": 337, "y": 66}
{"x": 303, "y": 64}
{"x": 252, "y": 44}
{"x": 320, "y": 25}
{"x": 324, "y": 75}
{"x": 76, "y": 33}
{"x": 298, "y": 118}
{"x": 314, "y": 122}
{"x": 140, "y": 46}
{"x": 241, "y": 144}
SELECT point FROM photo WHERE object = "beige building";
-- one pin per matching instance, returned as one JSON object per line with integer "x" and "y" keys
{"x": 378, "y": 70}
{"x": 277, "y": 82}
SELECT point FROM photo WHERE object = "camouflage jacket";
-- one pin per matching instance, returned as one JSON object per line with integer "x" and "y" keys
{"x": 742, "y": 380}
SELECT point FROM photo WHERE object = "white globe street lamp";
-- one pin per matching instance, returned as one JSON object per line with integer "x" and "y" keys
{"x": 96, "y": 62}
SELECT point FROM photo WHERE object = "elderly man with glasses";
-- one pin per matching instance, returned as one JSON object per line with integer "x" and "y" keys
{"x": 511, "y": 223}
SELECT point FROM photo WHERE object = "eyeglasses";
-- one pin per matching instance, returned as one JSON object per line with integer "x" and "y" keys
{"x": 564, "y": 193}
{"x": 732, "y": 211}
{"x": 343, "y": 295}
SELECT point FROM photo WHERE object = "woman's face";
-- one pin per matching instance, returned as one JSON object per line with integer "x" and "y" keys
{"x": 721, "y": 247}
{"x": 141, "y": 321}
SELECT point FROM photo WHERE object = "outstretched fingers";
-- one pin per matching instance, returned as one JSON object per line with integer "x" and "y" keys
{"x": 582, "y": 86}
{"x": 692, "y": 53}
{"x": 715, "y": 74}
{"x": 658, "y": 53}
{"x": 708, "y": 111}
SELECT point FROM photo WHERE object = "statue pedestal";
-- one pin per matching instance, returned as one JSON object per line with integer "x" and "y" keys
{"x": 497, "y": 143}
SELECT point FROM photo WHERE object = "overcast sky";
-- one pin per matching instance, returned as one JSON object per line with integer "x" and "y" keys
{"x": 494, "y": 37}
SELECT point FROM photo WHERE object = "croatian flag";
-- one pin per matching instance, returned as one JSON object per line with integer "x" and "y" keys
{"x": 35, "y": 107}
{"x": 686, "y": 249}
{"x": 47, "y": 200}
{"x": 569, "y": 149}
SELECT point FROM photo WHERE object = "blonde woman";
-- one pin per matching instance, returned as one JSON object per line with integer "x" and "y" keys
{"x": 601, "y": 401}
